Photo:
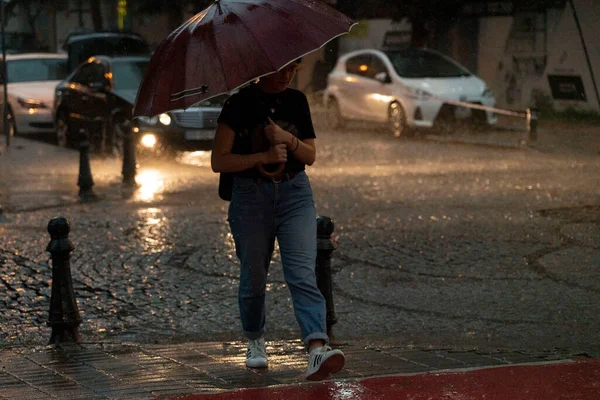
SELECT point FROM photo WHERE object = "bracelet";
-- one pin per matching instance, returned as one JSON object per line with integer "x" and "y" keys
{"x": 297, "y": 144}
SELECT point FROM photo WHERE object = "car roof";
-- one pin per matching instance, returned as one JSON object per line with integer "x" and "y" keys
{"x": 120, "y": 58}
{"x": 99, "y": 35}
{"x": 28, "y": 56}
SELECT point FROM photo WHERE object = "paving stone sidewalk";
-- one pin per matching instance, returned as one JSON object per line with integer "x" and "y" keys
{"x": 122, "y": 371}
{"x": 129, "y": 371}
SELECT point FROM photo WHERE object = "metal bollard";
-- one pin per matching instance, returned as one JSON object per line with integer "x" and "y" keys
{"x": 64, "y": 315}
{"x": 532, "y": 122}
{"x": 325, "y": 248}
{"x": 85, "y": 182}
{"x": 129, "y": 162}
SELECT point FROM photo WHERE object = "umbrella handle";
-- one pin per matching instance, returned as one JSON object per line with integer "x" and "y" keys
{"x": 270, "y": 175}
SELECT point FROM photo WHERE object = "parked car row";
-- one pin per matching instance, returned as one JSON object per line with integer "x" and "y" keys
{"x": 80, "y": 90}
{"x": 65, "y": 93}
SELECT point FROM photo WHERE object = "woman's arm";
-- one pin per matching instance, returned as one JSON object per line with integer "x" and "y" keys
{"x": 304, "y": 151}
{"x": 222, "y": 160}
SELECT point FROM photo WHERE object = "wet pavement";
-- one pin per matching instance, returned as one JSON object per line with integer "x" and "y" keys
{"x": 120, "y": 371}
{"x": 438, "y": 244}
{"x": 442, "y": 245}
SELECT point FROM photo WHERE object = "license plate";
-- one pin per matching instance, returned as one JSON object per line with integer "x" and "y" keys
{"x": 199, "y": 135}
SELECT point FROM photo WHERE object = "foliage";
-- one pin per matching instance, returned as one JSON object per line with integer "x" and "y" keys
{"x": 32, "y": 9}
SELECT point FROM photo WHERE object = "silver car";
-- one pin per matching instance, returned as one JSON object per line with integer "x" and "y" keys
{"x": 404, "y": 88}
{"x": 32, "y": 78}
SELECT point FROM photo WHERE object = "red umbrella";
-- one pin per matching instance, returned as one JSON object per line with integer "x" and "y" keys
{"x": 231, "y": 43}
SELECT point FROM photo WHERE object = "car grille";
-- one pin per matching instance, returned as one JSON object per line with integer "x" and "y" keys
{"x": 197, "y": 119}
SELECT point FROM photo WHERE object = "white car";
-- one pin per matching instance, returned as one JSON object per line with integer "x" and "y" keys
{"x": 404, "y": 88}
{"x": 32, "y": 79}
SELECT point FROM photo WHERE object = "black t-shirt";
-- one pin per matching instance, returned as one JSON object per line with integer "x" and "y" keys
{"x": 247, "y": 113}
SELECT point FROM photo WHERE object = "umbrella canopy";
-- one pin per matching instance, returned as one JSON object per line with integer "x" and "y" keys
{"x": 231, "y": 43}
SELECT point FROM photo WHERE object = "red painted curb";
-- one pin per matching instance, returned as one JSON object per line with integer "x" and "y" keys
{"x": 575, "y": 380}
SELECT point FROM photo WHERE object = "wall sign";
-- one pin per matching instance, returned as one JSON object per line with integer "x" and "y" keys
{"x": 567, "y": 87}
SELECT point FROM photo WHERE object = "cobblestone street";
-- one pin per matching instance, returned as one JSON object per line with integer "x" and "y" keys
{"x": 439, "y": 245}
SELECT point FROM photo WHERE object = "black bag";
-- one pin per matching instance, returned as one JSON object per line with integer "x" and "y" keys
{"x": 225, "y": 186}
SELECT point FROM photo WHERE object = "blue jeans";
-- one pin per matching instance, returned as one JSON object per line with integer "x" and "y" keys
{"x": 259, "y": 212}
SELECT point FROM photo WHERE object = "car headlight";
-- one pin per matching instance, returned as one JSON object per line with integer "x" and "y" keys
{"x": 148, "y": 120}
{"x": 487, "y": 93}
{"x": 164, "y": 119}
{"x": 31, "y": 103}
{"x": 417, "y": 93}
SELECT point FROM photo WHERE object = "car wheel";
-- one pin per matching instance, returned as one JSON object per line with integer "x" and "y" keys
{"x": 63, "y": 138}
{"x": 335, "y": 120}
{"x": 397, "y": 120}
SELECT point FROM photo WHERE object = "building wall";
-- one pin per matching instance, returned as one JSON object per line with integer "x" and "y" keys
{"x": 370, "y": 34}
{"x": 567, "y": 56}
{"x": 520, "y": 81}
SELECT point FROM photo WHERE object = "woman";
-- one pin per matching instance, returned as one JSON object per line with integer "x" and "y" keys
{"x": 269, "y": 123}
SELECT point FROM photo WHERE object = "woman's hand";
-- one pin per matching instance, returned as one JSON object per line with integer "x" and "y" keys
{"x": 277, "y": 154}
{"x": 277, "y": 135}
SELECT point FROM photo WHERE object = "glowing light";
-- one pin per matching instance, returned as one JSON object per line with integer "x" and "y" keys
{"x": 363, "y": 68}
{"x": 151, "y": 182}
{"x": 165, "y": 119}
{"x": 136, "y": 129}
{"x": 381, "y": 97}
{"x": 350, "y": 79}
{"x": 32, "y": 111}
{"x": 148, "y": 140}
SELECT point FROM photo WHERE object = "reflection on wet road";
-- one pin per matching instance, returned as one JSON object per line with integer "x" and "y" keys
{"x": 197, "y": 158}
{"x": 151, "y": 184}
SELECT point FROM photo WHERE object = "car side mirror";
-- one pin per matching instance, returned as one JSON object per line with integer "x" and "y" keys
{"x": 383, "y": 77}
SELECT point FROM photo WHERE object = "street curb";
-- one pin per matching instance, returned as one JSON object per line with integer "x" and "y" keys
{"x": 577, "y": 379}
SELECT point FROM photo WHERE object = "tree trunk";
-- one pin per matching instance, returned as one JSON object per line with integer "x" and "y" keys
{"x": 97, "y": 15}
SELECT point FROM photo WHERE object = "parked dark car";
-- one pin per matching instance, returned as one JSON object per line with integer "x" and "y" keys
{"x": 98, "y": 97}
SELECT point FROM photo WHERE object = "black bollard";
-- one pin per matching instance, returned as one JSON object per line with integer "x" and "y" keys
{"x": 532, "y": 122}
{"x": 64, "y": 315}
{"x": 2, "y": 219}
{"x": 85, "y": 182}
{"x": 325, "y": 248}
{"x": 129, "y": 162}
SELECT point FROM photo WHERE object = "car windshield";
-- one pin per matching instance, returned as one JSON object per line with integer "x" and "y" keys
{"x": 36, "y": 70}
{"x": 128, "y": 74}
{"x": 414, "y": 63}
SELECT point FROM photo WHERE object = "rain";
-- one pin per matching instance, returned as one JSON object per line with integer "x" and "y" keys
{"x": 457, "y": 154}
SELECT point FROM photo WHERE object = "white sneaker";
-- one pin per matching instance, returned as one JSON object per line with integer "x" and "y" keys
{"x": 323, "y": 362}
{"x": 256, "y": 356}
